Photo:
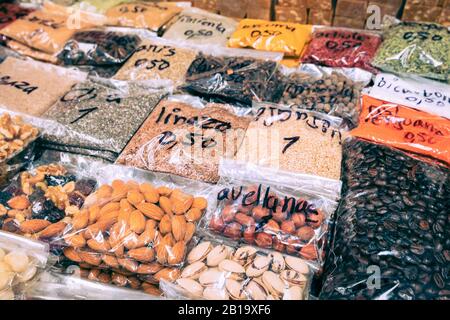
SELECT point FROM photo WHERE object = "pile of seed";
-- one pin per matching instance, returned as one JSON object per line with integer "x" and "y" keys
{"x": 393, "y": 219}
{"x": 98, "y": 118}
{"x": 333, "y": 94}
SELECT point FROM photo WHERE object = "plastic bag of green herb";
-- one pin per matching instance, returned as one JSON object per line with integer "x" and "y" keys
{"x": 416, "y": 48}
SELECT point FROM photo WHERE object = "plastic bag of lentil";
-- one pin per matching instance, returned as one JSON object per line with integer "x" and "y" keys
{"x": 158, "y": 59}
{"x": 273, "y": 210}
{"x": 342, "y": 48}
{"x": 415, "y": 48}
{"x": 186, "y": 138}
{"x": 294, "y": 140}
{"x": 200, "y": 27}
{"x": 391, "y": 236}
{"x": 404, "y": 128}
{"x": 148, "y": 15}
{"x": 31, "y": 87}
{"x": 222, "y": 270}
{"x": 136, "y": 228}
{"x": 98, "y": 47}
{"x": 332, "y": 91}
{"x": 80, "y": 286}
{"x": 102, "y": 115}
{"x": 21, "y": 260}
{"x": 285, "y": 37}
{"x": 49, "y": 28}
{"x": 235, "y": 75}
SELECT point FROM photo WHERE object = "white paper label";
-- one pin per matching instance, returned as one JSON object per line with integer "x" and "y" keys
{"x": 426, "y": 95}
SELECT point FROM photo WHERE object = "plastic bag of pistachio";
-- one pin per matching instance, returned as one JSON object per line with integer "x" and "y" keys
{"x": 223, "y": 270}
{"x": 416, "y": 49}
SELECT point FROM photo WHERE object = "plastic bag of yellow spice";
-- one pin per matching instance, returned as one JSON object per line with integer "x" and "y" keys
{"x": 289, "y": 38}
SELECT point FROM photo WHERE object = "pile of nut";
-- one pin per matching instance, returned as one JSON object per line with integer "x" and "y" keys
{"x": 15, "y": 267}
{"x": 15, "y": 135}
{"x": 40, "y": 204}
{"x": 137, "y": 231}
{"x": 220, "y": 272}
{"x": 293, "y": 228}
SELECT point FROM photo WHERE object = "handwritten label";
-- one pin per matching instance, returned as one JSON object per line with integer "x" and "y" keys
{"x": 23, "y": 86}
{"x": 425, "y": 95}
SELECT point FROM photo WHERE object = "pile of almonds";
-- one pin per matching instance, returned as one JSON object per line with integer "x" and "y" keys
{"x": 15, "y": 135}
{"x": 221, "y": 272}
{"x": 137, "y": 231}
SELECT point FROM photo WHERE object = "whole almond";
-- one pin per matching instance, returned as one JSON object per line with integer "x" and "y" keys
{"x": 118, "y": 250}
{"x": 147, "y": 237}
{"x": 19, "y": 203}
{"x": 177, "y": 254}
{"x": 151, "y": 268}
{"x": 105, "y": 191}
{"x": 151, "y": 211}
{"x": 75, "y": 240}
{"x": 80, "y": 220}
{"x": 200, "y": 203}
{"x": 111, "y": 261}
{"x": 169, "y": 274}
{"x": 137, "y": 222}
{"x": 109, "y": 207}
{"x": 164, "y": 191}
{"x": 124, "y": 216}
{"x": 134, "y": 283}
{"x": 190, "y": 231}
{"x": 94, "y": 214}
{"x": 179, "y": 227}
{"x": 193, "y": 215}
{"x": 125, "y": 205}
{"x": 166, "y": 205}
{"x": 178, "y": 207}
{"x": 150, "y": 193}
{"x": 161, "y": 253}
{"x": 165, "y": 225}
{"x": 104, "y": 278}
{"x": 34, "y": 226}
{"x": 53, "y": 230}
{"x": 119, "y": 190}
{"x": 99, "y": 246}
{"x": 142, "y": 254}
{"x": 151, "y": 224}
{"x": 131, "y": 241}
{"x": 118, "y": 232}
{"x": 135, "y": 197}
{"x": 128, "y": 264}
{"x": 109, "y": 216}
{"x": 71, "y": 254}
{"x": 133, "y": 185}
{"x": 91, "y": 258}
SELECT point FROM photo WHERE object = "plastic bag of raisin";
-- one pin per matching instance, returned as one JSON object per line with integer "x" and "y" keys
{"x": 391, "y": 233}
{"x": 272, "y": 209}
{"x": 235, "y": 75}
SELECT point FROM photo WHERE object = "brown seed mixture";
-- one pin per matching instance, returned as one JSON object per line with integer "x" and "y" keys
{"x": 186, "y": 141}
{"x": 135, "y": 230}
{"x": 153, "y": 60}
{"x": 295, "y": 141}
{"x": 32, "y": 87}
{"x": 15, "y": 135}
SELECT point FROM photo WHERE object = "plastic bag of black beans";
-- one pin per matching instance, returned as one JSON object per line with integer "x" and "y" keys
{"x": 236, "y": 75}
{"x": 335, "y": 92}
{"x": 391, "y": 238}
{"x": 98, "y": 47}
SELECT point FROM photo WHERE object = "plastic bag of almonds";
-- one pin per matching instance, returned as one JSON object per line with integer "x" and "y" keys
{"x": 272, "y": 210}
{"x": 21, "y": 260}
{"x": 200, "y": 27}
{"x": 331, "y": 91}
{"x": 415, "y": 48}
{"x": 98, "y": 47}
{"x": 396, "y": 208}
{"x": 101, "y": 115}
{"x": 158, "y": 59}
{"x": 148, "y": 15}
{"x": 10, "y": 12}
{"x": 183, "y": 139}
{"x": 235, "y": 75}
{"x": 136, "y": 228}
{"x": 294, "y": 140}
{"x": 226, "y": 271}
{"x": 31, "y": 87}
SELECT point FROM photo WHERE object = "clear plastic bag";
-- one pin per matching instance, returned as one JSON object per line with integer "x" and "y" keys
{"x": 404, "y": 128}
{"x": 5, "y": 53}
{"x": 26, "y": 51}
{"x": 342, "y": 48}
{"x": 55, "y": 286}
{"x": 158, "y": 59}
{"x": 31, "y": 87}
{"x": 218, "y": 270}
{"x": 273, "y": 210}
{"x": 391, "y": 235}
{"x": 234, "y": 75}
{"x": 101, "y": 115}
{"x": 21, "y": 260}
{"x": 294, "y": 140}
{"x": 285, "y": 37}
{"x": 335, "y": 92}
{"x": 415, "y": 48}
{"x": 200, "y": 27}
{"x": 188, "y": 140}
{"x": 10, "y": 12}
{"x": 98, "y": 47}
